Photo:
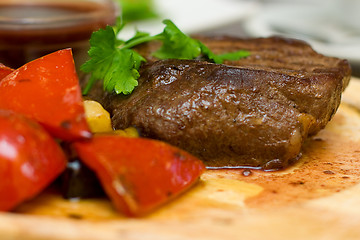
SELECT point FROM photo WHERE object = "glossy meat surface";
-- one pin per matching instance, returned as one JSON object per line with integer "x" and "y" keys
{"x": 253, "y": 112}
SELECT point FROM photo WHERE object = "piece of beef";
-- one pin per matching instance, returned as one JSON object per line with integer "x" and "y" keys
{"x": 254, "y": 112}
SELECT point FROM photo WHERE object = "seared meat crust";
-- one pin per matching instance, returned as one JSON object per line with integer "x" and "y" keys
{"x": 254, "y": 112}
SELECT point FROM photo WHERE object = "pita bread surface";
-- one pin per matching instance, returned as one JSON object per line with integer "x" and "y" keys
{"x": 317, "y": 198}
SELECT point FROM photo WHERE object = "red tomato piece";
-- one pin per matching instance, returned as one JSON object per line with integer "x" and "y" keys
{"x": 30, "y": 159}
{"x": 47, "y": 90}
{"x": 4, "y": 71}
{"x": 139, "y": 174}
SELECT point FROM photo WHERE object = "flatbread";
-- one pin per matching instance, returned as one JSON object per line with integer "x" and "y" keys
{"x": 318, "y": 198}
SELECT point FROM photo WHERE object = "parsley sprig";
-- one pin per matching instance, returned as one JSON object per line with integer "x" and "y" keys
{"x": 115, "y": 62}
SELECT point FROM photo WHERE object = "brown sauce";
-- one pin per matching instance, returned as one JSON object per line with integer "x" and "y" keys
{"x": 29, "y": 31}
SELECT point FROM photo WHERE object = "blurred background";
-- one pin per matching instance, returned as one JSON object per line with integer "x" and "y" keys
{"x": 332, "y": 27}
{"x": 31, "y": 28}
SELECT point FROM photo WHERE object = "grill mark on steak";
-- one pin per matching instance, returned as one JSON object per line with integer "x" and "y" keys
{"x": 254, "y": 112}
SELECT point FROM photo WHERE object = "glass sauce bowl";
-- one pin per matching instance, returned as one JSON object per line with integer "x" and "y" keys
{"x": 31, "y": 29}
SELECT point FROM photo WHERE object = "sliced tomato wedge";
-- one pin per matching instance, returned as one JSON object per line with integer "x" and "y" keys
{"x": 30, "y": 159}
{"x": 139, "y": 174}
{"x": 47, "y": 90}
{"x": 4, "y": 71}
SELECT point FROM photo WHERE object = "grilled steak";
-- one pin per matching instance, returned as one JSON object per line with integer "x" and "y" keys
{"x": 254, "y": 112}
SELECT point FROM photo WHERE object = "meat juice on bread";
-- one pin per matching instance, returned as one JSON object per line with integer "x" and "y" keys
{"x": 231, "y": 102}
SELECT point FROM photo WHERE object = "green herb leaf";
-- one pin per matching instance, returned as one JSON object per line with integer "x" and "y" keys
{"x": 176, "y": 44}
{"x": 101, "y": 54}
{"x": 220, "y": 58}
{"x": 113, "y": 60}
{"x": 117, "y": 67}
{"x": 210, "y": 55}
{"x": 127, "y": 72}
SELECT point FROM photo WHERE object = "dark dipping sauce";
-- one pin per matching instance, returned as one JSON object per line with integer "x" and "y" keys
{"x": 32, "y": 30}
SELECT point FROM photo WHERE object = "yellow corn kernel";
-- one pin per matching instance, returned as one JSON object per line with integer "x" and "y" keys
{"x": 128, "y": 132}
{"x": 97, "y": 117}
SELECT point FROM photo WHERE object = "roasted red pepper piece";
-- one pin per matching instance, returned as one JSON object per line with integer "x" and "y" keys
{"x": 30, "y": 159}
{"x": 139, "y": 174}
{"x": 4, "y": 71}
{"x": 47, "y": 90}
